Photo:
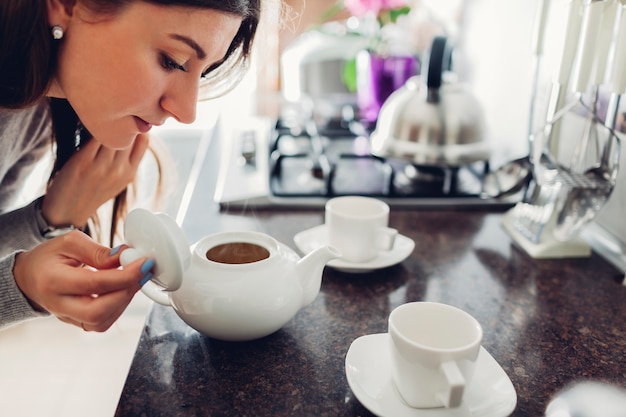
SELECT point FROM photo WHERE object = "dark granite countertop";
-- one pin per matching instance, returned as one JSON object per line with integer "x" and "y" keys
{"x": 547, "y": 323}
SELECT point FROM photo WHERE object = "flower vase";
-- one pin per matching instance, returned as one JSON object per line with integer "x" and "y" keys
{"x": 378, "y": 76}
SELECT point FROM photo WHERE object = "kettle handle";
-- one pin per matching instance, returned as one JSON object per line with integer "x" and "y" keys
{"x": 436, "y": 63}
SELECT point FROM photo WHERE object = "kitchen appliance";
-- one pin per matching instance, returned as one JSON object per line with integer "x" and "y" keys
{"x": 436, "y": 124}
{"x": 313, "y": 65}
{"x": 305, "y": 156}
{"x": 302, "y": 161}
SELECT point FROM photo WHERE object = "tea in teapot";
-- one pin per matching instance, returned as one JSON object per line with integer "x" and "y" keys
{"x": 237, "y": 253}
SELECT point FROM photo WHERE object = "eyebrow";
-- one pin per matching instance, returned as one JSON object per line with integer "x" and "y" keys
{"x": 192, "y": 44}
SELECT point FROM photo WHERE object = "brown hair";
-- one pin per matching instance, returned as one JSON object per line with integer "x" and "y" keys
{"x": 28, "y": 54}
{"x": 28, "y": 60}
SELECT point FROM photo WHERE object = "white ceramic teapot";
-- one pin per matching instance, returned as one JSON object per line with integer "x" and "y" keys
{"x": 232, "y": 286}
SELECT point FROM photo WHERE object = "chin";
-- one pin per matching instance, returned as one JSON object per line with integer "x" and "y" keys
{"x": 117, "y": 142}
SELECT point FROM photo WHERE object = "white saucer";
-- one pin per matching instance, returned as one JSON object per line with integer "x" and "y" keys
{"x": 311, "y": 239}
{"x": 491, "y": 393}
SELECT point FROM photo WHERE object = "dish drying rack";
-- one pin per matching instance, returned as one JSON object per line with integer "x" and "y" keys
{"x": 559, "y": 200}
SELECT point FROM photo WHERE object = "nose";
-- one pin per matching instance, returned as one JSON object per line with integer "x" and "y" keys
{"x": 180, "y": 102}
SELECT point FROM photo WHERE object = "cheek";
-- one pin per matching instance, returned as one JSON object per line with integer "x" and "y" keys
{"x": 130, "y": 88}
{"x": 136, "y": 86}
{"x": 110, "y": 70}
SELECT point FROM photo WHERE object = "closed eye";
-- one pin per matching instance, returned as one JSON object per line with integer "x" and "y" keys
{"x": 170, "y": 65}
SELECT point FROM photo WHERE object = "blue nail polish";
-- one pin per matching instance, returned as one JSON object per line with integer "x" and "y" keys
{"x": 115, "y": 250}
{"x": 147, "y": 266}
{"x": 145, "y": 279}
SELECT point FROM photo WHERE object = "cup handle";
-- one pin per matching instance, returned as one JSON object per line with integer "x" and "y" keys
{"x": 456, "y": 385}
{"x": 387, "y": 238}
{"x": 150, "y": 289}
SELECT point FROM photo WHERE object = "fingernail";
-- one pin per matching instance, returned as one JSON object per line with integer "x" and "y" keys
{"x": 115, "y": 250}
{"x": 145, "y": 279}
{"x": 147, "y": 266}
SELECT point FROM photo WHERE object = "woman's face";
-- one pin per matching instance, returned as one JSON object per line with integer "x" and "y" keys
{"x": 125, "y": 73}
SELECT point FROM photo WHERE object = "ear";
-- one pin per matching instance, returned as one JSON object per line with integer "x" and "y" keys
{"x": 59, "y": 12}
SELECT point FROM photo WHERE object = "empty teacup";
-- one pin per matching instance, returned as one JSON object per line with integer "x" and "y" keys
{"x": 434, "y": 348}
{"x": 357, "y": 226}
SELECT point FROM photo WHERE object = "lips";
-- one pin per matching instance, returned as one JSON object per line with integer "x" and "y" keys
{"x": 142, "y": 125}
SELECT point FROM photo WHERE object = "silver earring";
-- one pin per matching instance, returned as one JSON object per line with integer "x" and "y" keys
{"x": 57, "y": 32}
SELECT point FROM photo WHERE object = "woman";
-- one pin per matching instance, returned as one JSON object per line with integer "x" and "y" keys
{"x": 95, "y": 75}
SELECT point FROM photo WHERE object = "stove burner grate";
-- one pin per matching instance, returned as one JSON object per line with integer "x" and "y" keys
{"x": 333, "y": 162}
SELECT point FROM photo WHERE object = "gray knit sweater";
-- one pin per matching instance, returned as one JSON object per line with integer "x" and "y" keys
{"x": 24, "y": 139}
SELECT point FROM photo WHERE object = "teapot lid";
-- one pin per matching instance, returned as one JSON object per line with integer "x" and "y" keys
{"x": 158, "y": 236}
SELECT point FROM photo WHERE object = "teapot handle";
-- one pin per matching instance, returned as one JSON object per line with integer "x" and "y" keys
{"x": 156, "y": 293}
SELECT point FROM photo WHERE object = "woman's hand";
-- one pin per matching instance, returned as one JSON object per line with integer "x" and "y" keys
{"x": 55, "y": 276}
{"x": 92, "y": 176}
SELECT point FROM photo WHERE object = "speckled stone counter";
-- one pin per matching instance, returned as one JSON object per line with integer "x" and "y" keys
{"x": 547, "y": 323}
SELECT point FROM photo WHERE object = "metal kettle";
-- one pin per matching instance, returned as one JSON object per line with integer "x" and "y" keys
{"x": 437, "y": 124}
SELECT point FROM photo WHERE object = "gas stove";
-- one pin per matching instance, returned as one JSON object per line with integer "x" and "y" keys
{"x": 274, "y": 162}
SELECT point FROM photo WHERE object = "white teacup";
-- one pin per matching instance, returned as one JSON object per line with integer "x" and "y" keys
{"x": 357, "y": 226}
{"x": 434, "y": 348}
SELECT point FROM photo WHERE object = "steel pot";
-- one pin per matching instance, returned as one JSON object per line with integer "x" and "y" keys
{"x": 437, "y": 124}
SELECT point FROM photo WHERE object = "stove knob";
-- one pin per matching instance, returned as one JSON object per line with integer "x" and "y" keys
{"x": 248, "y": 147}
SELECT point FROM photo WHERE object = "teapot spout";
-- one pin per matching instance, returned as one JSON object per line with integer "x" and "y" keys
{"x": 309, "y": 270}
